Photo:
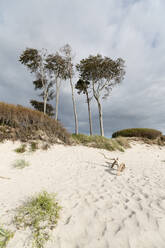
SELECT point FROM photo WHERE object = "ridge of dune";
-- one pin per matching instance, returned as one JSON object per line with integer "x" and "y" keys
{"x": 99, "y": 208}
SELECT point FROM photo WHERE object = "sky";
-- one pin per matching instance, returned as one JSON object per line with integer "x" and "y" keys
{"x": 130, "y": 29}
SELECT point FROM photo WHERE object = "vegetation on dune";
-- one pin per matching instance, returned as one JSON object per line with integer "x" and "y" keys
{"x": 40, "y": 214}
{"x": 20, "y": 123}
{"x": 5, "y": 236}
{"x": 20, "y": 164}
{"x": 21, "y": 149}
{"x": 138, "y": 132}
{"x": 101, "y": 142}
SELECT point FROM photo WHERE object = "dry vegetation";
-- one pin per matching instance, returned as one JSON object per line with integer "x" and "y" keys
{"x": 101, "y": 142}
{"x": 24, "y": 124}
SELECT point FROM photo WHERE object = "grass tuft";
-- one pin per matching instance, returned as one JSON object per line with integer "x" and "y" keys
{"x": 20, "y": 164}
{"x": 21, "y": 149}
{"x": 5, "y": 236}
{"x": 40, "y": 214}
{"x": 33, "y": 146}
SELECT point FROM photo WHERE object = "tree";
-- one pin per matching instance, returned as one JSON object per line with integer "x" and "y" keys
{"x": 103, "y": 73}
{"x": 56, "y": 66}
{"x": 83, "y": 87}
{"x": 40, "y": 106}
{"x": 67, "y": 54}
{"x": 35, "y": 61}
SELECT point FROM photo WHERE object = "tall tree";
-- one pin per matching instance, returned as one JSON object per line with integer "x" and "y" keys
{"x": 40, "y": 105}
{"x": 35, "y": 61}
{"x": 67, "y": 54}
{"x": 83, "y": 87}
{"x": 56, "y": 66}
{"x": 103, "y": 73}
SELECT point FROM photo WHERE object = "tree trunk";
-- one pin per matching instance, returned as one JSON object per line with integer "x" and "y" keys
{"x": 57, "y": 98}
{"x": 89, "y": 113}
{"x": 74, "y": 108}
{"x": 45, "y": 100}
{"x": 100, "y": 116}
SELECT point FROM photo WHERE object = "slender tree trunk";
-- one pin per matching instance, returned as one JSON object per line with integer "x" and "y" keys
{"x": 45, "y": 100}
{"x": 43, "y": 85}
{"x": 57, "y": 98}
{"x": 96, "y": 96}
{"x": 74, "y": 108}
{"x": 89, "y": 113}
{"x": 100, "y": 116}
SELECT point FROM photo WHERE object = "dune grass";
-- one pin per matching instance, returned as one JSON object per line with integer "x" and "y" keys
{"x": 40, "y": 213}
{"x": 33, "y": 146}
{"x": 5, "y": 236}
{"x": 21, "y": 149}
{"x": 20, "y": 164}
{"x": 101, "y": 142}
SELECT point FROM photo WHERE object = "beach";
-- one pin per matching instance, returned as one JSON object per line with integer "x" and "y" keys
{"x": 99, "y": 208}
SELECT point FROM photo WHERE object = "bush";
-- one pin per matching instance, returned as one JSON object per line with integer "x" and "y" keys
{"x": 40, "y": 214}
{"x": 138, "y": 132}
{"x": 20, "y": 123}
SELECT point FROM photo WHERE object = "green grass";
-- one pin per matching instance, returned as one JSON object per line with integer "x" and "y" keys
{"x": 21, "y": 149}
{"x": 101, "y": 142}
{"x": 5, "y": 236}
{"x": 20, "y": 164}
{"x": 40, "y": 214}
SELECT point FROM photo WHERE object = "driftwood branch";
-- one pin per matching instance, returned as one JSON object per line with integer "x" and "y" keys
{"x": 120, "y": 167}
{"x": 5, "y": 177}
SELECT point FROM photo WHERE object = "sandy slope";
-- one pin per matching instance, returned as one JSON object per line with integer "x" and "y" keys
{"x": 100, "y": 209}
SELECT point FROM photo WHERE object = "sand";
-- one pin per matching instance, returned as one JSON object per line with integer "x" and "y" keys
{"x": 99, "y": 208}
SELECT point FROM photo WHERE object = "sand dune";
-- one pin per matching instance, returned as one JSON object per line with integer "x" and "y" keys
{"x": 99, "y": 209}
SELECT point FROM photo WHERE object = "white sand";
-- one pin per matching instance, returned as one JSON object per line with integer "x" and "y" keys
{"x": 100, "y": 209}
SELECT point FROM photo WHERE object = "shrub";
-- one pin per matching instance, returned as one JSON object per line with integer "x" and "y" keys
{"x": 20, "y": 123}
{"x": 138, "y": 132}
{"x": 40, "y": 214}
{"x": 5, "y": 236}
{"x": 20, "y": 164}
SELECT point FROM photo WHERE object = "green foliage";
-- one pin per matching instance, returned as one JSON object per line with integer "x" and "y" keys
{"x": 40, "y": 214}
{"x": 20, "y": 164}
{"x": 100, "y": 142}
{"x": 138, "y": 132}
{"x": 40, "y": 107}
{"x": 5, "y": 236}
{"x": 20, "y": 123}
{"x": 102, "y": 72}
{"x": 21, "y": 149}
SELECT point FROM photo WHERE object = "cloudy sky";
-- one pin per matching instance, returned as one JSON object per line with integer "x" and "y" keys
{"x": 130, "y": 29}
